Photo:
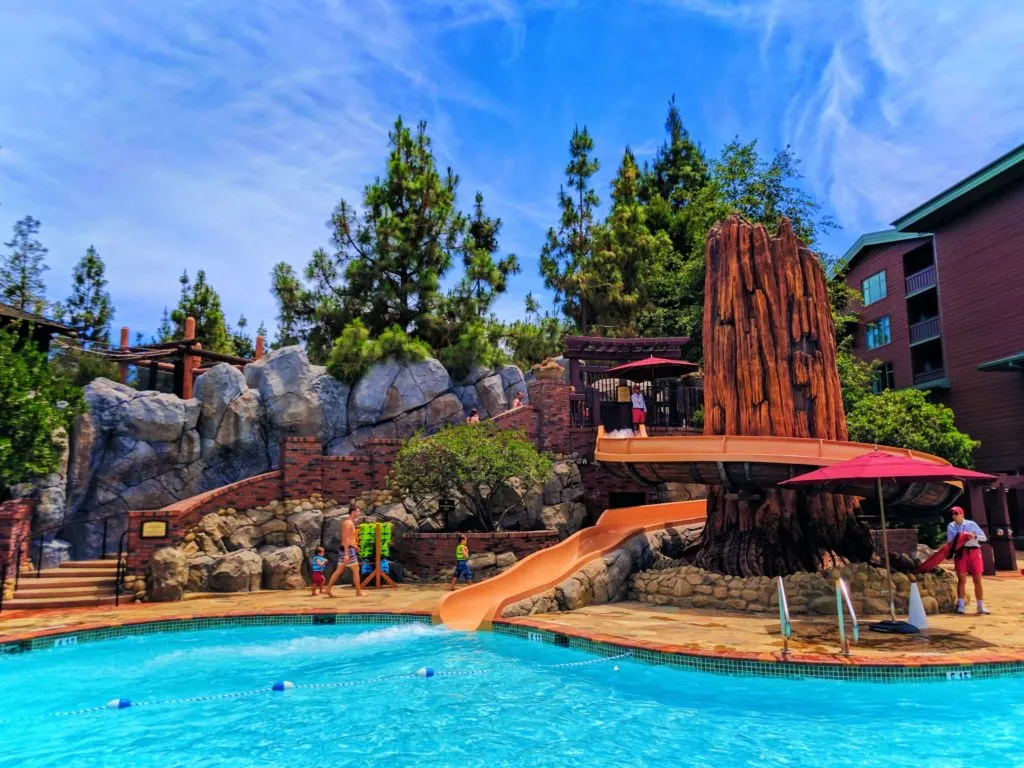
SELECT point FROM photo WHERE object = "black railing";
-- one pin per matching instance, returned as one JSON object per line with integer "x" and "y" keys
{"x": 122, "y": 566}
{"x": 922, "y": 280}
{"x": 667, "y": 406}
{"x": 41, "y": 535}
{"x": 924, "y": 330}
{"x": 932, "y": 375}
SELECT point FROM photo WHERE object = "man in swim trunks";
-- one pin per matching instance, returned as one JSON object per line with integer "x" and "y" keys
{"x": 967, "y": 559}
{"x": 348, "y": 557}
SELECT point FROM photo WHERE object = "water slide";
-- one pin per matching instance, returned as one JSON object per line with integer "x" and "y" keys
{"x": 475, "y": 607}
{"x": 740, "y": 464}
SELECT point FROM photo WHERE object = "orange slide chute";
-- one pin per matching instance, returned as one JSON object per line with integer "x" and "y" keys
{"x": 475, "y": 607}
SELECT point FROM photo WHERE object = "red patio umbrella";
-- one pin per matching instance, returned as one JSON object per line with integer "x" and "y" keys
{"x": 866, "y": 475}
{"x": 652, "y": 368}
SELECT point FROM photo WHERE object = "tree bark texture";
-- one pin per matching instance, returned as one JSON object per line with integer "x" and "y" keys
{"x": 770, "y": 369}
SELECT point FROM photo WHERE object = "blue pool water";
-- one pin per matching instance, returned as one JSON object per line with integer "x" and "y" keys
{"x": 515, "y": 710}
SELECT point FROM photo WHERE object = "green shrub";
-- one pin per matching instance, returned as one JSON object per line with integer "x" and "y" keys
{"x": 904, "y": 418}
{"x": 476, "y": 345}
{"x": 473, "y": 460}
{"x": 354, "y": 351}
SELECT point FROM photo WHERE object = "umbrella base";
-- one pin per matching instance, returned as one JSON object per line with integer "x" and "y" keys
{"x": 894, "y": 627}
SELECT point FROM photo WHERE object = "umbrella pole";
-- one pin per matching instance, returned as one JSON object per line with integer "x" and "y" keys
{"x": 885, "y": 549}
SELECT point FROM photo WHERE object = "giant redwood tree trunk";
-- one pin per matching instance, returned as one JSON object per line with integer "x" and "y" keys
{"x": 770, "y": 369}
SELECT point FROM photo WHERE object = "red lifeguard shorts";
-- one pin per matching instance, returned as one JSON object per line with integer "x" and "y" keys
{"x": 639, "y": 416}
{"x": 970, "y": 562}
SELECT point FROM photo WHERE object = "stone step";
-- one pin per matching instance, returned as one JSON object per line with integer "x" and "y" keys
{"x": 70, "y": 573}
{"x": 59, "y": 580}
{"x": 82, "y": 601}
{"x": 62, "y": 590}
{"x": 110, "y": 563}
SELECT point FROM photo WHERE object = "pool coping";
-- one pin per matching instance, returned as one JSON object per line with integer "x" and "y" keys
{"x": 894, "y": 669}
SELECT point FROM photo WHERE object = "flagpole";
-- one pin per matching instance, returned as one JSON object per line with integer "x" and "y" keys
{"x": 885, "y": 549}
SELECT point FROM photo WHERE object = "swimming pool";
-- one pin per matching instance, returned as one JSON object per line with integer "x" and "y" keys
{"x": 496, "y": 701}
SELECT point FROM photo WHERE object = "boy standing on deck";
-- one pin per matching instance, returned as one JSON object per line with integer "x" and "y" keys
{"x": 318, "y": 564}
{"x": 462, "y": 562}
{"x": 967, "y": 559}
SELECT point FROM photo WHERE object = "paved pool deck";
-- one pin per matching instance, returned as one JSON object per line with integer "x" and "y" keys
{"x": 951, "y": 639}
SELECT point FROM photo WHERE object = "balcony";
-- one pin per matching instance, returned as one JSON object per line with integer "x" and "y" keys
{"x": 926, "y": 330}
{"x": 921, "y": 281}
{"x": 925, "y": 377}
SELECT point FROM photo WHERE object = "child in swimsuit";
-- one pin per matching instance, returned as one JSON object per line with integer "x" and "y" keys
{"x": 462, "y": 562}
{"x": 318, "y": 564}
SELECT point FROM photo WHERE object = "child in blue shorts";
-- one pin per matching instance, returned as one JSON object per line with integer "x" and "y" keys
{"x": 462, "y": 562}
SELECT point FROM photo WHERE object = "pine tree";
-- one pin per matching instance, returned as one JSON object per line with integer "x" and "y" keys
{"x": 21, "y": 271}
{"x": 568, "y": 249}
{"x": 166, "y": 331}
{"x": 88, "y": 310}
{"x": 679, "y": 170}
{"x": 391, "y": 255}
{"x": 200, "y": 301}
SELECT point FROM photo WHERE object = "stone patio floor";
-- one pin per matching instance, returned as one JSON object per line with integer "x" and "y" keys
{"x": 950, "y": 639}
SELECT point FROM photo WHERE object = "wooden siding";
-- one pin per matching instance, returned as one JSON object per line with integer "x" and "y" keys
{"x": 980, "y": 257}
{"x": 897, "y": 352}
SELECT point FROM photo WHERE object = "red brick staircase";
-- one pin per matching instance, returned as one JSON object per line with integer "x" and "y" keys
{"x": 72, "y": 584}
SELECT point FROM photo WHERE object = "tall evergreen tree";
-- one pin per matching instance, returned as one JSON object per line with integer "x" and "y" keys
{"x": 200, "y": 301}
{"x": 21, "y": 270}
{"x": 679, "y": 170}
{"x": 569, "y": 249}
{"x": 88, "y": 309}
{"x": 391, "y": 255}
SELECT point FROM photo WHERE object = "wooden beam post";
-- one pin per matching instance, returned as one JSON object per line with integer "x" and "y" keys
{"x": 123, "y": 368}
{"x": 189, "y": 360}
{"x": 259, "y": 347}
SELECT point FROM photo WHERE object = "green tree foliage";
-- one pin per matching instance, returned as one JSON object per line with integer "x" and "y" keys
{"x": 477, "y": 344}
{"x": 474, "y": 461}
{"x": 354, "y": 350}
{"x": 536, "y": 338}
{"x": 243, "y": 343}
{"x": 21, "y": 270}
{"x": 79, "y": 367}
{"x": 569, "y": 249}
{"x": 88, "y": 309}
{"x": 201, "y": 301}
{"x": 855, "y": 375}
{"x": 37, "y": 404}
{"x": 906, "y": 419}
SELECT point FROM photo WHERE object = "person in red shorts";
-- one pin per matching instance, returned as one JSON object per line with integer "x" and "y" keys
{"x": 639, "y": 408}
{"x": 967, "y": 559}
{"x": 317, "y": 564}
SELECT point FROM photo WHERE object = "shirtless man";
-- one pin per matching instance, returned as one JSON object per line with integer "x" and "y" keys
{"x": 348, "y": 557}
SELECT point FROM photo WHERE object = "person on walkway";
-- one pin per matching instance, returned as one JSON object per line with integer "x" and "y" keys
{"x": 318, "y": 564}
{"x": 462, "y": 562}
{"x": 474, "y": 417}
{"x": 967, "y": 559}
{"x": 639, "y": 408}
{"x": 517, "y": 400}
{"x": 348, "y": 556}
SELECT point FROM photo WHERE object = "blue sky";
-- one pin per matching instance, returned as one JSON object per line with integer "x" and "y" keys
{"x": 179, "y": 134}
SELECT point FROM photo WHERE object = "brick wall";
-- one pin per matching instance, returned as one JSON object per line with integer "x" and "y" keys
{"x": 551, "y": 398}
{"x": 300, "y": 466}
{"x": 525, "y": 418}
{"x": 15, "y": 519}
{"x": 424, "y": 554}
{"x": 901, "y": 540}
{"x": 182, "y": 515}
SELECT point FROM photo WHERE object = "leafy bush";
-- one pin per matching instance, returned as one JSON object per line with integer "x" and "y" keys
{"x": 904, "y": 418}
{"x": 532, "y": 342}
{"x": 698, "y": 418}
{"x": 79, "y": 368}
{"x": 474, "y": 460}
{"x": 476, "y": 345}
{"x": 36, "y": 404}
{"x": 354, "y": 351}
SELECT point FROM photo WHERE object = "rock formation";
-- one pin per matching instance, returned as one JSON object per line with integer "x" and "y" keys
{"x": 770, "y": 369}
{"x": 143, "y": 450}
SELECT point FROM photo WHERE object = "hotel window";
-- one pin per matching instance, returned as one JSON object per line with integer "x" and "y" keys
{"x": 874, "y": 288}
{"x": 884, "y": 378}
{"x": 878, "y": 333}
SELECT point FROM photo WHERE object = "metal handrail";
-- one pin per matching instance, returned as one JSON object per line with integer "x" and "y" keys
{"x": 122, "y": 565}
{"x": 843, "y": 595}
{"x": 3, "y": 583}
{"x": 785, "y": 625}
{"x": 40, "y": 534}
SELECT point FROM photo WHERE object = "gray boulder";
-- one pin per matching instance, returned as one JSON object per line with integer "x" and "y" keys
{"x": 395, "y": 513}
{"x": 244, "y": 537}
{"x": 199, "y": 568}
{"x": 446, "y": 409}
{"x": 54, "y": 552}
{"x": 166, "y": 575}
{"x": 306, "y": 529}
{"x": 512, "y": 381}
{"x": 369, "y": 398}
{"x": 155, "y": 416}
{"x": 240, "y": 571}
{"x": 215, "y": 390}
{"x": 332, "y": 399}
{"x": 284, "y": 379}
{"x": 492, "y": 395}
{"x": 282, "y": 567}
{"x": 469, "y": 399}
{"x": 566, "y": 518}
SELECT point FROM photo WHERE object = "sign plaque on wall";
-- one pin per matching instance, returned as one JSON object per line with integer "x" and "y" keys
{"x": 153, "y": 529}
